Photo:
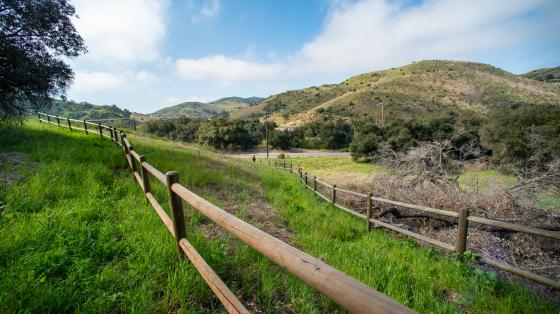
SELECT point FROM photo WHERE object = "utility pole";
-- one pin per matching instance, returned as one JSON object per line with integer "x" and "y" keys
{"x": 382, "y": 116}
{"x": 266, "y": 132}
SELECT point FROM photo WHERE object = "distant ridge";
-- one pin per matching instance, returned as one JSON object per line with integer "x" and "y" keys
{"x": 202, "y": 110}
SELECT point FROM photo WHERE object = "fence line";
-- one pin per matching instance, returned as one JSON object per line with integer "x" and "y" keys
{"x": 463, "y": 220}
{"x": 339, "y": 287}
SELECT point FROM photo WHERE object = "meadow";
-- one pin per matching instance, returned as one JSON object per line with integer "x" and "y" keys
{"x": 77, "y": 236}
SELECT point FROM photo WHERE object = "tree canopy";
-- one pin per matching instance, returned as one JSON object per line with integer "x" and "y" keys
{"x": 35, "y": 35}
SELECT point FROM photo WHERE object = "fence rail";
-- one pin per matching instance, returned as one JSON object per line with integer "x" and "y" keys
{"x": 463, "y": 220}
{"x": 339, "y": 287}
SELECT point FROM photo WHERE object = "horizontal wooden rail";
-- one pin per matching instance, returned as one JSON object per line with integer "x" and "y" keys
{"x": 435, "y": 242}
{"x": 342, "y": 289}
{"x": 418, "y": 207}
{"x": 520, "y": 272}
{"x": 351, "y": 192}
{"x": 514, "y": 227}
{"x": 135, "y": 155}
{"x": 153, "y": 171}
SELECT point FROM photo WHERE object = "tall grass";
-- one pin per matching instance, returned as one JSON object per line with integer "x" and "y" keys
{"x": 79, "y": 236}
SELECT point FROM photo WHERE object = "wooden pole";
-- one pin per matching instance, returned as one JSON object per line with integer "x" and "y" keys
{"x": 39, "y": 116}
{"x": 57, "y": 121}
{"x": 145, "y": 177}
{"x": 177, "y": 214}
{"x": 266, "y": 133}
{"x": 111, "y": 132}
{"x": 314, "y": 183}
{"x": 462, "y": 230}
{"x": 333, "y": 194}
{"x": 48, "y": 119}
{"x": 369, "y": 211}
{"x": 305, "y": 178}
{"x": 134, "y": 123}
{"x": 69, "y": 125}
{"x": 85, "y": 127}
{"x": 100, "y": 130}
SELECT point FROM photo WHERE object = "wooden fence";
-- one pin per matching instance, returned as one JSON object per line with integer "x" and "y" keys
{"x": 463, "y": 219}
{"x": 339, "y": 287}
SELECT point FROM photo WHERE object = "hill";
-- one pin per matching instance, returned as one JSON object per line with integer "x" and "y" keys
{"x": 220, "y": 107}
{"x": 85, "y": 110}
{"x": 544, "y": 74}
{"x": 420, "y": 89}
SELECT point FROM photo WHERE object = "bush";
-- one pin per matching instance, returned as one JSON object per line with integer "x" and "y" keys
{"x": 523, "y": 132}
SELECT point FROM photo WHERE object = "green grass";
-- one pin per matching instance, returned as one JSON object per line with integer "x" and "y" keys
{"x": 485, "y": 180}
{"x": 78, "y": 236}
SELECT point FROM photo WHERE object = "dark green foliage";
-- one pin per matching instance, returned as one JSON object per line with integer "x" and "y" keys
{"x": 182, "y": 129}
{"x": 224, "y": 133}
{"x": 34, "y": 35}
{"x": 521, "y": 133}
{"x": 281, "y": 139}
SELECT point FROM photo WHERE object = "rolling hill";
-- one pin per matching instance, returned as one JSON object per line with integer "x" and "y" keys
{"x": 220, "y": 107}
{"x": 416, "y": 90}
{"x": 85, "y": 110}
{"x": 545, "y": 74}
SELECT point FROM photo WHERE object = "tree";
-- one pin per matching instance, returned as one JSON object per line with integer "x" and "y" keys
{"x": 281, "y": 139}
{"x": 35, "y": 35}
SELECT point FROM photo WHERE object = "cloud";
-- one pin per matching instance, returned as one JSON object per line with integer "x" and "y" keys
{"x": 225, "y": 70}
{"x": 122, "y": 31}
{"x": 97, "y": 81}
{"x": 209, "y": 9}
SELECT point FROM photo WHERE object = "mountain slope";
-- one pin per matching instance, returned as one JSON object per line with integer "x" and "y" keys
{"x": 544, "y": 74}
{"x": 85, "y": 110}
{"x": 417, "y": 90}
{"x": 220, "y": 107}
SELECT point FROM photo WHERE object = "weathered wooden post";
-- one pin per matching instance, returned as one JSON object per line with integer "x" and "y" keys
{"x": 291, "y": 166}
{"x": 305, "y": 178}
{"x": 116, "y": 133}
{"x": 39, "y": 116}
{"x": 177, "y": 214}
{"x": 333, "y": 201}
{"x": 100, "y": 130}
{"x": 111, "y": 133}
{"x": 57, "y": 121}
{"x": 462, "y": 230}
{"x": 254, "y": 159}
{"x": 369, "y": 211}
{"x": 69, "y": 125}
{"x": 48, "y": 119}
{"x": 85, "y": 127}
{"x": 134, "y": 123}
{"x": 314, "y": 183}
{"x": 145, "y": 177}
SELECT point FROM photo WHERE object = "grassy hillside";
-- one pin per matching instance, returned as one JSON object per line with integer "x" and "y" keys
{"x": 78, "y": 236}
{"x": 84, "y": 110}
{"x": 220, "y": 107}
{"x": 545, "y": 74}
{"x": 425, "y": 88}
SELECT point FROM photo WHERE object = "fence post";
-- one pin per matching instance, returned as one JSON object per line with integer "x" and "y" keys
{"x": 462, "y": 229}
{"x": 48, "y": 119}
{"x": 69, "y": 125}
{"x": 291, "y": 166}
{"x": 369, "y": 211}
{"x": 100, "y": 130}
{"x": 333, "y": 194}
{"x": 111, "y": 133}
{"x": 145, "y": 177}
{"x": 85, "y": 127}
{"x": 177, "y": 214}
{"x": 134, "y": 123}
{"x": 305, "y": 178}
{"x": 57, "y": 121}
{"x": 39, "y": 116}
{"x": 314, "y": 183}
{"x": 116, "y": 136}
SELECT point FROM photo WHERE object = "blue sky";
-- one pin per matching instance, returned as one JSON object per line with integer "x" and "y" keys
{"x": 148, "y": 54}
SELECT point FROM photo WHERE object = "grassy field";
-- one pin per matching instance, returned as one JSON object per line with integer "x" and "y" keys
{"x": 77, "y": 235}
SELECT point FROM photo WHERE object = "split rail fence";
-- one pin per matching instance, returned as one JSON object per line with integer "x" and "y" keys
{"x": 463, "y": 220}
{"x": 339, "y": 287}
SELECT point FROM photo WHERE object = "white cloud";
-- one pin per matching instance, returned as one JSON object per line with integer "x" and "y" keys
{"x": 97, "y": 81}
{"x": 377, "y": 33}
{"x": 122, "y": 31}
{"x": 209, "y": 9}
{"x": 225, "y": 70}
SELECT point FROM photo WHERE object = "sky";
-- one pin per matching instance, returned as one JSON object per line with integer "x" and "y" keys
{"x": 144, "y": 55}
